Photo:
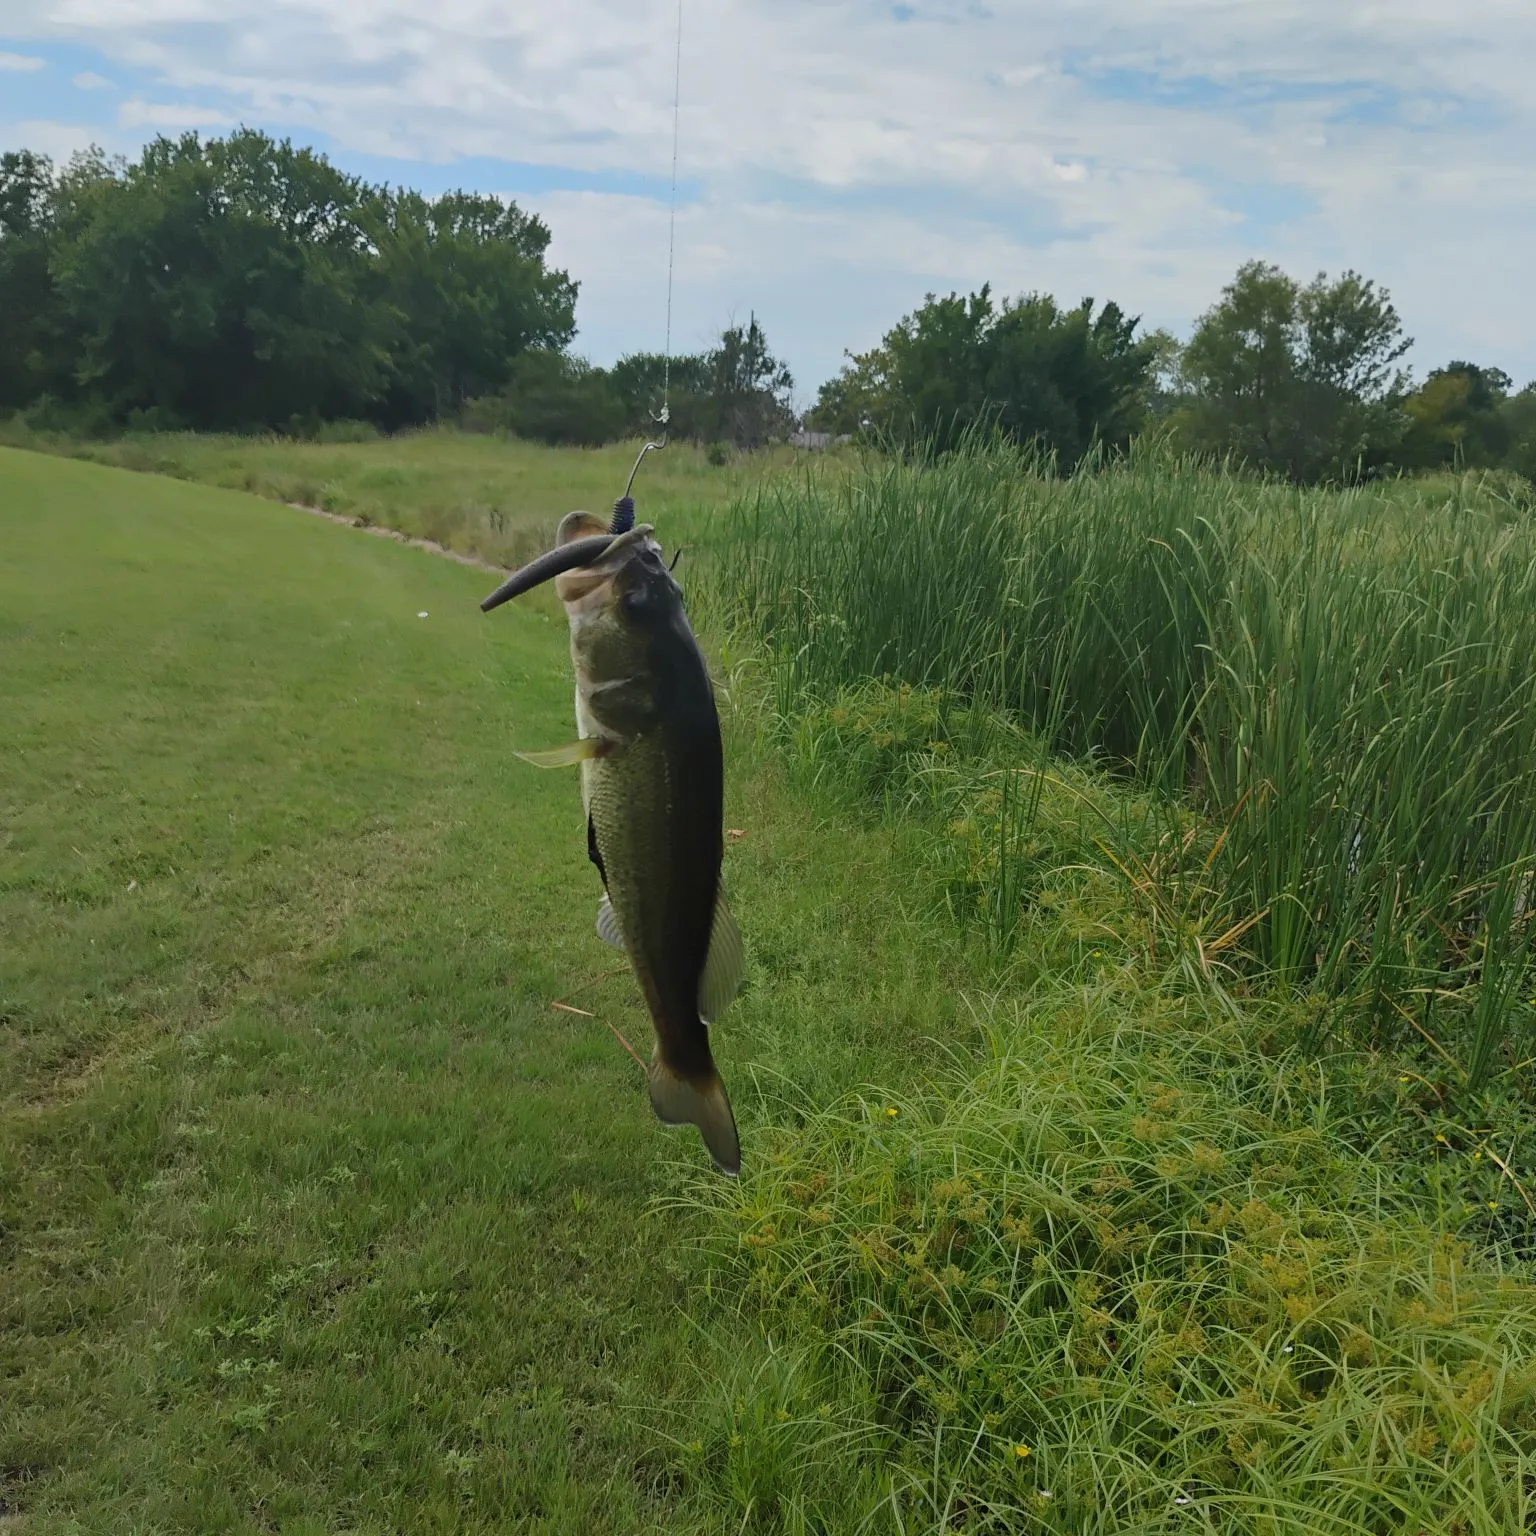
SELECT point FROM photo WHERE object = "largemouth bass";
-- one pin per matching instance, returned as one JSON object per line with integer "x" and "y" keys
{"x": 652, "y": 787}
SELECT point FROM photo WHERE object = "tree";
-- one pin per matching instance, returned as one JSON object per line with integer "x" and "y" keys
{"x": 1457, "y": 419}
{"x": 243, "y": 282}
{"x": 552, "y": 397}
{"x": 1298, "y": 381}
{"x": 926, "y": 378}
{"x": 1163, "y": 373}
{"x": 33, "y": 352}
{"x": 466, "y": 275}
{"x": 1067, "y": 379}
{"x": 644, "y": 380}
{"x": 737, "y": 392}
{"x": 1519, "y": 413}
{"x": 748, "y": 390}
{"x": 224, "y": 285}
{"x": 1062, "y": 378}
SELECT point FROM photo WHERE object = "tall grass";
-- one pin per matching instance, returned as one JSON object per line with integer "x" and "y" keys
{"x": 1343, "y": 685}
{"x": 1118, "y": 1274}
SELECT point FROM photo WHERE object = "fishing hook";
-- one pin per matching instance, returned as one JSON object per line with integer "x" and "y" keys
{"x": 629, "y": 484}
{"x": 624, "y": 507}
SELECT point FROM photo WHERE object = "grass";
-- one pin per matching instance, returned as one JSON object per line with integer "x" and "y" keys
{"x": 1116, "y": 1272}
{"x": 1339, "y": 684}
{"x": 290, "y": 1131}
{"x": 482, "y": 495}
{"x": 314, "y": 1215}
{"x": 1142, "y": 1260}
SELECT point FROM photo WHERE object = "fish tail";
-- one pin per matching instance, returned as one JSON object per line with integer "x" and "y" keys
{"x": 679, "y": 1100}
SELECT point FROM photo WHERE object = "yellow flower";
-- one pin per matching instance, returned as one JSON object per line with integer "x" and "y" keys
{"x": 892, "y": 1112}
{"x": 1021, "y": 1451}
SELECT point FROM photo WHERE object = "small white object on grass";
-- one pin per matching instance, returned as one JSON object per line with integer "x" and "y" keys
{"x": 422, "y": 614}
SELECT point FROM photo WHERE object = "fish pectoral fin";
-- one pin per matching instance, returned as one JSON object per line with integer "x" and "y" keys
{"x": 583, "y": 751}
{"x": 678, "y": 1100}
{"x": 726, "y": 966}
{"x": 608, "y": 929}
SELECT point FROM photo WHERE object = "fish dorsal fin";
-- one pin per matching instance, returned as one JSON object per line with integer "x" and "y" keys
{"x": 582, "y": 751}
{"x": 608, "y": 929}
{"x": 726, "y": 966}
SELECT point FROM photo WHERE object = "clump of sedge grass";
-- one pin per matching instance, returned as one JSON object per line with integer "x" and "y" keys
{"x": 1116, "y": 1275}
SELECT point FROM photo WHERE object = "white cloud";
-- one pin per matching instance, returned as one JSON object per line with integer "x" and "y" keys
{"x": 86, "y": 80}
{"x": 56, "y": 140}
{"x": 845, "y": 163}
{"x": 170, "y": 117}
{"x": 21, "y": 63}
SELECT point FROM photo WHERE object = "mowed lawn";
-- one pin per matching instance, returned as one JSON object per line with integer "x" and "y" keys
{"x": 314, "y": 1214}
{"x": 480, "y": 494}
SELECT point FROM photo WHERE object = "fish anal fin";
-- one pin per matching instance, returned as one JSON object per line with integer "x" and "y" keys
{"x": 678, "y": 1100}
{"x": 583, "y": 751}
{"x": 608, "y": 929}
{"x": 726, "y": 966}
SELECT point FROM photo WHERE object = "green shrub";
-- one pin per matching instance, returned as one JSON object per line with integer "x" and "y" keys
{"x": 552, "y": 398}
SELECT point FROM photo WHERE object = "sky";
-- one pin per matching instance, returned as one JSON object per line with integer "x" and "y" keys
{"x": 840, "y": 159}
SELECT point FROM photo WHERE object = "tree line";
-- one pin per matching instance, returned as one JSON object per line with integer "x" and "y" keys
{"x": 735, "y": 393}
{"x": 245, "y": 284}
{"x": 1299, "y": 381}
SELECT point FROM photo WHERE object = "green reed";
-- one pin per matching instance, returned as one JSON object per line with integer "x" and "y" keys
{"x": 1341, "y": 683}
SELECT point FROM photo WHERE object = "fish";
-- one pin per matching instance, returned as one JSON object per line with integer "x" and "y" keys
{"x": 652, "y": 786}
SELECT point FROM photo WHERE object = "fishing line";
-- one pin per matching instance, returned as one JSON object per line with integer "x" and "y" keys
{"x": 677, "y": 96}
{"x": 624, "y": 507}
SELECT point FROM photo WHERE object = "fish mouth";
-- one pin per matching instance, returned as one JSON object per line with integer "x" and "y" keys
{"x": 566, "y": 557}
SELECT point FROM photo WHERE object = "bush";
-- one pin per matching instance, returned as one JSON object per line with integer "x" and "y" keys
{"x": 552, "y": 398}
{"x": 88, "y": 418}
